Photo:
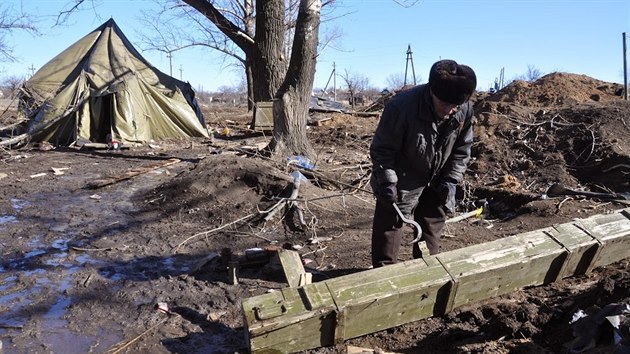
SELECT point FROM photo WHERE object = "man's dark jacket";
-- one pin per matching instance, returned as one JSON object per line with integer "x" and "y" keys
{"x": 407, "y": 148}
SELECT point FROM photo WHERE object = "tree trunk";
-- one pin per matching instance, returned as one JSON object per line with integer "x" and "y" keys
{"x": 249, "y": 81}
{"x": 290, "y": 108}
{"x": 267, "y": 59}
{"x": 289, "y": 85}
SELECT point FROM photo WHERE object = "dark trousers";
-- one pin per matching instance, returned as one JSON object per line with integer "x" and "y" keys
{"x": 387, "y": 228}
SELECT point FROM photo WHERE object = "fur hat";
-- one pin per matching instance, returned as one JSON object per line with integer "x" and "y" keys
{"x": 451, "y": 82}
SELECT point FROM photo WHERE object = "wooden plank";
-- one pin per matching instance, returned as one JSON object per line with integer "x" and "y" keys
{"x": 293, "y": 267}
{"x": 304, "y": 318}
{"x": 331, "y": 311}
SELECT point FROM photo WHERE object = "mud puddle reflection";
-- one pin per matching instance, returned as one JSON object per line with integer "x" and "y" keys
{"x": 38, "y": 271}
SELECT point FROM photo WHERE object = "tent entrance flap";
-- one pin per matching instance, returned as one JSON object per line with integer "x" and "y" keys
{"x": 101, "y": 118}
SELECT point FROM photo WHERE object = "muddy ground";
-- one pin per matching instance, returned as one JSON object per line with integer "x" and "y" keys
{"x": 83, "y": 266}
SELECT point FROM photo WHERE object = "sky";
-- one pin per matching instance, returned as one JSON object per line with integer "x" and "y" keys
{"x": 574, "y": 36}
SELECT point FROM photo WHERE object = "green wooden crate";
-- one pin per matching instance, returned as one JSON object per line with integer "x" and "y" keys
{"x": 502, "y": 266}
{"x": 331, "y": 311}
{"x": 290, "y": 320}
{"x": 613, "y": 232}
{"x": 390, "y": 296}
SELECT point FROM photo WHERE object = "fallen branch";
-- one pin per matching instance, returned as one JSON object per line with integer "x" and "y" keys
{"x": 15, "y": 140}
{"x": 202, "y": 262}
{"x": 8, "y": 326}
{"x": 205, "y": 233}
{"x": 120, "y": 346}
{"x": 562, "y": 202}
{"x": 129, "y": 174}
{"x": 11, "y": 126}
{"x": 307, "y": 172}
{"x": 621, "y": 165}
{"x": 274, "y": 209}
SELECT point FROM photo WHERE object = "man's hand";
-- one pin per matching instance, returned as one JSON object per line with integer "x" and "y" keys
{"x": 446, "y": 195}
{"x": 387, "y": 192}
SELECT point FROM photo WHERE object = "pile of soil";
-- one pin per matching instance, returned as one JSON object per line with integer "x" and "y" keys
{"x": 82, "y": 268}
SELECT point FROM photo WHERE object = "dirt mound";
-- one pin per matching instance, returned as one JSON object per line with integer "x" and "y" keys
{"x": 223, "y": 182}
{"x": 530, "y": 132}
{"x": 557, "y": 89}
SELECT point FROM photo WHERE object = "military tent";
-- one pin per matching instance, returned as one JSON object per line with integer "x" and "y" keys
{"x": 100, "y": 89}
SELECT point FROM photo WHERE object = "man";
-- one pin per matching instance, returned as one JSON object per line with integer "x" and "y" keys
{"x": 420, "y": 151}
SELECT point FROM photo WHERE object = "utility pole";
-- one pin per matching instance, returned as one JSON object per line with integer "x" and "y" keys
{"x": 32, "y": 70}
{"x": 413, "y": 71}
{"x": 181, "y": 70}
{"x": 625, "y": 68}
{"x": 332, "y": 76}
{"x": 169, "y": 55}
{"x": 334, "y": 82}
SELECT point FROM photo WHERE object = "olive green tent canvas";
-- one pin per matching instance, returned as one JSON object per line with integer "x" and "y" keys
{"x": 101, "y": 89}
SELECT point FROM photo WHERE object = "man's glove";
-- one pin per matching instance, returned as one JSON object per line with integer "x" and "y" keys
{"x": 446, "y": 195}
{"x": 387, "y": 192}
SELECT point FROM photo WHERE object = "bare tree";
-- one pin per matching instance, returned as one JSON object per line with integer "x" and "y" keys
{"x": 533, "y": 73}
{"x": 355, "y": 84}
{"x": 395, "y": 81}
{"x": 10, "y": 85}
{"x": 177, "y": 26}
{"x": 261, "y": 31}
{"x": 12, "y": 19}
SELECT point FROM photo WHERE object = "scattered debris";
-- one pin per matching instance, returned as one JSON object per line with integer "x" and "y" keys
{"x": 600, "y": 328}
{"x": 59, "y": 171}
{"x": 358, "y": 350}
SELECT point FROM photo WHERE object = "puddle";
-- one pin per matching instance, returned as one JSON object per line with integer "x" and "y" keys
{"x": 17, "y": 205}
{"x": 34, "y": 283}
{"x": 5, "y": 219}
{"x": 7, "y": 282}
{"x": 169, "y": 265}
